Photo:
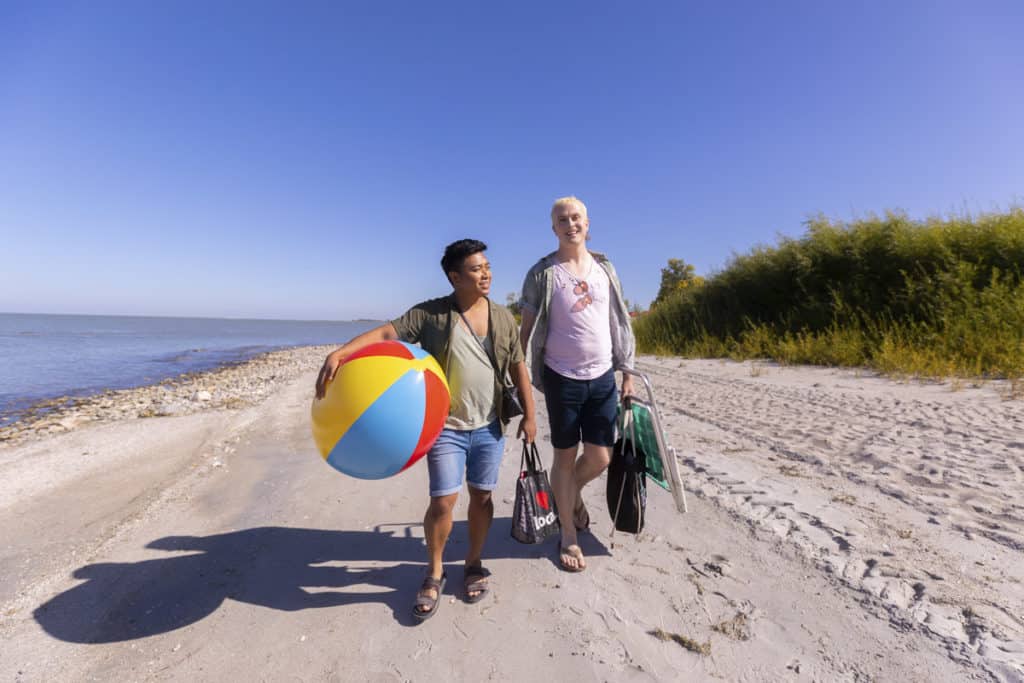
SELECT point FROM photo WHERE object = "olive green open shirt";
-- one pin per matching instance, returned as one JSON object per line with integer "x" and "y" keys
{"x": 432, "y": 323}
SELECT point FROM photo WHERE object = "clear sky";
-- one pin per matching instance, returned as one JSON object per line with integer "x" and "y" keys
{"x": 312, "y": 159}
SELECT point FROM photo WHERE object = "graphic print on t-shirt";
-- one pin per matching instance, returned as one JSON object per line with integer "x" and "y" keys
{"x": 585, "y": 290}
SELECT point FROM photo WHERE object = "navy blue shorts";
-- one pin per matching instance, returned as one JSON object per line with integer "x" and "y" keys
{"x": 581, "y": 409}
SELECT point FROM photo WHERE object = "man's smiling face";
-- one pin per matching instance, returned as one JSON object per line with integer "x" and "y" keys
{"x": 570, "y": 224}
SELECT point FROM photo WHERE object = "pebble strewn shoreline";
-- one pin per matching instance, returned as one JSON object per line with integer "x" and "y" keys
{"x": 233, "y": 386}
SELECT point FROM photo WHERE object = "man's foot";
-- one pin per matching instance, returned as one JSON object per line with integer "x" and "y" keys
{"x": 570, "y": 557}
{"x": 429, "y": 596}
{"x": 581, "y": 517}
{"x": 475, "y": 583}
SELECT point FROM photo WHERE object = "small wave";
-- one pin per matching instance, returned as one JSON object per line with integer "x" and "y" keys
{"x": 180, "y": 357}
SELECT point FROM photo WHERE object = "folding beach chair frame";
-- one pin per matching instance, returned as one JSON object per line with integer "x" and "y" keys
{"x": 669, "y": 463}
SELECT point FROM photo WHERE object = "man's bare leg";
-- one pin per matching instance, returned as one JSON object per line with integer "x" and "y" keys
{"x": 569, "y": 475}
{"x": 563, "y": 483}
{"x": 481, "y": 512}
{"x": 437, "y": 526}
{"x": 589, "y": 467}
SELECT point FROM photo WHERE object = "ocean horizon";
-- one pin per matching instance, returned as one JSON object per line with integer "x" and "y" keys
{"x": 47, "y": 355}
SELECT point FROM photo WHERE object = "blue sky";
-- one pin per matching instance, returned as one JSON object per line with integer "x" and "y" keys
{"x": 311, "y": 160}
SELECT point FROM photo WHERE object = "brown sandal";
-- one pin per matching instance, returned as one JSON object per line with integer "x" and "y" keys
{"x": 423, "y": 600}
{"x": 475, "y": 581}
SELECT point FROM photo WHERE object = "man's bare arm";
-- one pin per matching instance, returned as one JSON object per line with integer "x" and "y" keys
{"x": 528, "y": 425}
{"x": 335, "y": 358}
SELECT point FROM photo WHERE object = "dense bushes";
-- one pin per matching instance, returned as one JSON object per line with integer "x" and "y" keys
{"x": 935, "y": 297}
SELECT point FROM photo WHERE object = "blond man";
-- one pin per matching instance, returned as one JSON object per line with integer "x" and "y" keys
{"x": 576, "y": 334}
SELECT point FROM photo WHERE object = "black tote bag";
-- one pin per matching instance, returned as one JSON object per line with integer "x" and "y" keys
{"x": 626, "y": 488}
{"x": 534, "y": 515}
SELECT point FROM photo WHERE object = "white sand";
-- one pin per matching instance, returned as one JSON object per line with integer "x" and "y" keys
{"x": 842, "y": 528}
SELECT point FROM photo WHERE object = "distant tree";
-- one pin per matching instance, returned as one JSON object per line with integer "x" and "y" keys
{"x": 633, "y": 308}
{"x": 677, "y": 276}
{"x": 512, "y": 303}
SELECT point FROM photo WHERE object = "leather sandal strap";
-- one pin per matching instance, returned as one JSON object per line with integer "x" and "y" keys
{"x": 431, "y": 583}
{"x": 426, "y": 601}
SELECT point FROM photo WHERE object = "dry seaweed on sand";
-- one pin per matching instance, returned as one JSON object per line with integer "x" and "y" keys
{"x": 688, "y": 643}
{"x": 737, "y": 628}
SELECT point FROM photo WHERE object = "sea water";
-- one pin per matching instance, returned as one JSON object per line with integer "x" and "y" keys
{"x": 46, "y": 356}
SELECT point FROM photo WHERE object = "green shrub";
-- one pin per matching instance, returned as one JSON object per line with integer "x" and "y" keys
{"x": 934, "y": 298}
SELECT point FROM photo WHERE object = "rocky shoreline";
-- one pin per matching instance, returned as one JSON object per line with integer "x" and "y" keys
{"x": 231, "y": 386}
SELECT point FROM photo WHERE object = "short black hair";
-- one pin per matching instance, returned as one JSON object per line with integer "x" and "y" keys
{"x": 457, "y": 252}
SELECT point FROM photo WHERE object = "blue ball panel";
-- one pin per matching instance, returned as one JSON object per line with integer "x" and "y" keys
{"x": 381, "y": 441}
{"x": 417, "y": 352}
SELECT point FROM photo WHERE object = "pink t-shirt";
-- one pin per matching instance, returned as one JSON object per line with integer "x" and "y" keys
{"x": 579, "y": 343}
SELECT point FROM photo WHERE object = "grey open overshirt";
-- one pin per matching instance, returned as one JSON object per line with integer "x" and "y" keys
{"x": 536, "y": 298}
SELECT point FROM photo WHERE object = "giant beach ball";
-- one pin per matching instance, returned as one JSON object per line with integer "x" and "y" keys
{"x": 382, "y": 412}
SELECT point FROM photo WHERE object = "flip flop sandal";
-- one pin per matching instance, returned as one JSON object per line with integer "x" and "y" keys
{"x": 429, "y": 582}
{"x": 475, "y": 581}
{"x": 578, "y": 555}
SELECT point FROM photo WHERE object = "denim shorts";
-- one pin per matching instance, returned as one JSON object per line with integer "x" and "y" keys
{"x": 475, "y": 452}
{"x": 581, "y": 409}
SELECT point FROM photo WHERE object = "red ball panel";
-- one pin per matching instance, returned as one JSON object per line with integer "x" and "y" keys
{"x": 435, "y": 414}
{"x": 384, "y": 348}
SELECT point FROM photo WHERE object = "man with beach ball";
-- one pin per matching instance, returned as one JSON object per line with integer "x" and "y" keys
{"x": 476, "y": 343}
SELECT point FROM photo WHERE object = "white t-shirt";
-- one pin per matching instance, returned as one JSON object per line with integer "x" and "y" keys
{"x": 579, "y": 342}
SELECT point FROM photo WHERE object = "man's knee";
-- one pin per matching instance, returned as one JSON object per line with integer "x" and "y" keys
{"x": 442, "y": 506}
{"x": 479, "y": 497}
{"x": 566, "y": 457}
{"x": 597, "y": 455}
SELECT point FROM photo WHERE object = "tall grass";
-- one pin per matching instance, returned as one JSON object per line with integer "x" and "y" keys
{"x": 935, "y": 297}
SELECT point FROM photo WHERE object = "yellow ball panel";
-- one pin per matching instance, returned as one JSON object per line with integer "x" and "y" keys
{"x": 356, "y": 386}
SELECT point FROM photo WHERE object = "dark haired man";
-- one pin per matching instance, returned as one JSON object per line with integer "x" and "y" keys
{"x": 462, "y": 331}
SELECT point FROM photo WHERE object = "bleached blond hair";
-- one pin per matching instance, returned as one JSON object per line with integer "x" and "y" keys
{"x": 566, "y": 201}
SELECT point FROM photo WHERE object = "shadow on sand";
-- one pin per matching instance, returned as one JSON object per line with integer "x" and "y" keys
{"x": 277, "y": 567}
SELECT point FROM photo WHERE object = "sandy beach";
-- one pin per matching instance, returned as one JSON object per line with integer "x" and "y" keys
{"x": 842, "y": 527}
